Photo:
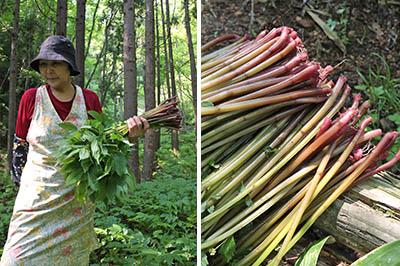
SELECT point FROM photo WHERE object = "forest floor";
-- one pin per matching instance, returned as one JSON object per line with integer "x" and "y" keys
{"x": 365, "y": 27}
{"x": 369, "y": 31}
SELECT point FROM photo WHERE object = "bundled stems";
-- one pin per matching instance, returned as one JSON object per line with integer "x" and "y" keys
{"x": 278, "y": 144}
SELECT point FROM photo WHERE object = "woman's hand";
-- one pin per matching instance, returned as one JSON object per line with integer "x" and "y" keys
{"x": 137, "y": 126}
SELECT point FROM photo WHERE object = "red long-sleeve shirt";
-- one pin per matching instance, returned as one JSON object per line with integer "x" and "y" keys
{"x": 27, "y": 106}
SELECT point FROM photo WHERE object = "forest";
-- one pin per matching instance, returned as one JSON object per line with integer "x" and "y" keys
{"x": 134, "y": 55}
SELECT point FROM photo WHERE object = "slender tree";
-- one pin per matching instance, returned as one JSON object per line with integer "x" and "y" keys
{"x": 12, "y": 110}
{"x": 104, "y": 47}
{"x": 80, "y": 41}
{"x": 92, "y": 28}
{"x": 175, "y": 137}
{"x": 193, "y": 73}
{"x": 130, "y": 75}
{"x": 166, "y": 61}
{"x": 149, "y": 141}
{"x": 61, "y": 20}
{"x": 158, "y": 71}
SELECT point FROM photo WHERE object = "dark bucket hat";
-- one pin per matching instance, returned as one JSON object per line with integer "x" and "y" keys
{"x": 58, "y": 48}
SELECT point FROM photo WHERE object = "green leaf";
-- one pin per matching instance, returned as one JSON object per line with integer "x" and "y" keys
{"x": 388, "y": 254}
{"x": 120, "y": 165}
{"x": 310, "y": 256}
{"x": 378, "y": 91}
{"x": 86, "y": 163}
{"x": 207, "y": 104}
{"x": 92, "y": 183}
{"x": 68, "y": 126}
{"x": 249, "y": 201}
{"x": 227, "y": 250}
{"x": 96, "y": 115}
{"x": 94, "y": 147}
{"x": 204, "y": 260}
{"x": 84, "y": 154}
{"x": 72, "y": 153}
{"x": 395, "y": 118}
{"x": 328, "y": 32}
{"x": 360, "y": 87}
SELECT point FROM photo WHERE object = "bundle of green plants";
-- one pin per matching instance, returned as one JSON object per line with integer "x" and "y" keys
{"x": 279, "y": 145}
{"x": 94, "y": 158}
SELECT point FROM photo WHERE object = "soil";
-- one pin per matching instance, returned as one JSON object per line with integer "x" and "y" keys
{"x": 365, "y": 27}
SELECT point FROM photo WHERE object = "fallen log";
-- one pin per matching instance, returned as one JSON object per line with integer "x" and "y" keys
{"x": 364, "y": 218}
{"x": 367, "y": 216}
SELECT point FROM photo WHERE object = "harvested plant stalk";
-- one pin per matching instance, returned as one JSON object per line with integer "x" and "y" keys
{"x": 278, "y": 146}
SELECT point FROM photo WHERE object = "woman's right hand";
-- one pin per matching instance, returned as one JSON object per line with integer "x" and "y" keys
{"x": 137, "y": 126}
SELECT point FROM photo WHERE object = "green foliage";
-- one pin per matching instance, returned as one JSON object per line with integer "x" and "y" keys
{"x": 7, "y": 195}
{"x": 387, "y": 254}
{"x": 340, "y": 24}
{"x": 94, "y": 159}
{"x": 311, "y": 254}
{"x": 103, "y": 49}
{"x": 155, "y": 224}
{"x": 227, "y": 249}
{"x": 383, "y": 91}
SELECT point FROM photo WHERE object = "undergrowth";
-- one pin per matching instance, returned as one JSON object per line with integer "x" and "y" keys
{"x": 383, "y": 91}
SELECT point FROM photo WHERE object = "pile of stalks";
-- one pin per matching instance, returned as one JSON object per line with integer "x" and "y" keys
{"x": 280, "y": 143}
{"x": 165, "y": 115}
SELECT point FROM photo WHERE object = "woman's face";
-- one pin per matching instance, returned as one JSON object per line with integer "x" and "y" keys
{"x": 55, "y": 73}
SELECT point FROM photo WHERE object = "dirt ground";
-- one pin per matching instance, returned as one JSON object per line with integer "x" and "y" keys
{"x": 365, "y": 27}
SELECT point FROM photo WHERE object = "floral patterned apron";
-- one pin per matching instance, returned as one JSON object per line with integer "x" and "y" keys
{"x": 48, "y": 226}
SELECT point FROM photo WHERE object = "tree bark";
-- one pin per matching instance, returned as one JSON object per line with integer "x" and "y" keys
{"x": 12, "y": 106}
{"x": 166, "y": 61}
{"x": 367, "y": 216}
{"x": 149, "y": 142}
{"x": 110, "y": 76}
{"x": 80, "y": 41}
{"x": 130, "y": 76}
{"x": 193, "y": 73}
{"x": 61, "y": 21}
{"x": 174, "y": 135}
{"x": 92, "y": 28}
{"x": 158, "y": 65}
{"x": 103, "y": 70}
{"x": 104, "y": 47}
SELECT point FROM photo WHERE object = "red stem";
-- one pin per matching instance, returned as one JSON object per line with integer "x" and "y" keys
{"x": 303, "y": 75}
{"x": 219, "y": 39}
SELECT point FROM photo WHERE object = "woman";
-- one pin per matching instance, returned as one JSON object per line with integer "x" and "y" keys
{"x": 48, "y": 226}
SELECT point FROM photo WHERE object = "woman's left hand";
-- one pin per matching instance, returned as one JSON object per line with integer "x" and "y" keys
{"x": 137, "y": 126}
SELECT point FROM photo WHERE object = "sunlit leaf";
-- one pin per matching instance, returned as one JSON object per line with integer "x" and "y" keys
{"x": 310, "y": 256}
{"x": 388, "y": 254}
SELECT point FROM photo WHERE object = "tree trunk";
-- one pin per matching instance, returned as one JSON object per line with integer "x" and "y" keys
{"x": 158, "y": 100}
{"x": 111, "y": 75}
{"x": 367, "y": 216}
{"x": 166, "y": 61}
{"x": 149, "y": 141}
{"x": 193, "y": 73}
{"x": 130, "y": 87}
{"x": 174, "y": 135}
{"x": 92, "y": 28}
{"x": 80, "y": 41}
{"x": 61, "y": 25}
{"x": 12, "y": 110}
